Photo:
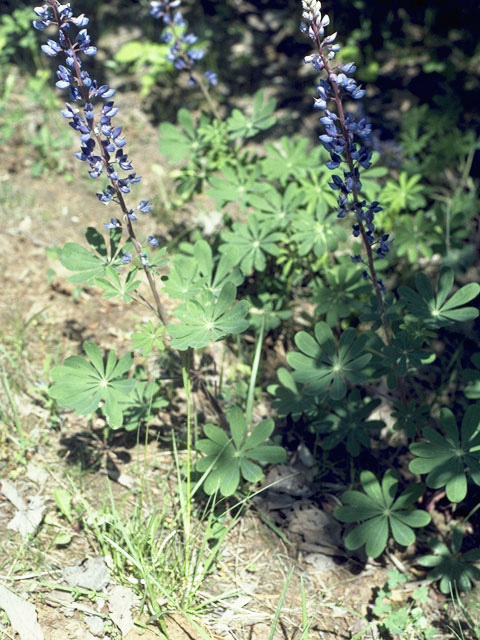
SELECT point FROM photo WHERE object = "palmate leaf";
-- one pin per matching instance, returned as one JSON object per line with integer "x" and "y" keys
{"x": 216, "y": 273}
{"x": 87, "y": 264}
{"x": 472, "y": 377}
{"x": 252, "y": 241}
{"x": 324, "y": 366}
{"x": 290, "y": 159}
{"x": 237, "y": 184}
{"x": 179, "y": 142}
{"x": 289, "y": 399}
{"x": 405, "y": 194}
{"x": 141, "y": 404}
{"x": 117, "y": 287}
{"x": 343, "y": 293}
{"x": 184, "y": 280}
{"x": 272, "y": 206}
{"x": 199, "y": 271}
{"x": 349, "y": 423}
{"x": 241, "y": 126}
{"x": 416, "y": 226}
{"x": 81, "y": 384}
{"x": 208, "y": 319}
{"x": 449, "y": 460}
{"x": 148, "y": 337}
{"x": 226, "y": 459}
{"x": 433, "y": 308}
{"x": 317, "y": 191}
{"x": 448, "y": 565}
{"x": 381, "y": 514}
{"x": 316, "y": 230}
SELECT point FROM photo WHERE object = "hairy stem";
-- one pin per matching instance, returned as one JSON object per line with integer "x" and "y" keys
{"x": 355, "y": 194}
{"x": 160, "y": 311}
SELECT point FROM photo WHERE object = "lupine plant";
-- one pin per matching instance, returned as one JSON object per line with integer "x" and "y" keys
{"x": 281, "y": 267}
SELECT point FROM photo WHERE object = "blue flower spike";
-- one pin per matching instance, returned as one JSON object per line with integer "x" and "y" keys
{"x": 345, "y": 137}
{"x": 102, "y": 143}
{"x": 182, "y": 53}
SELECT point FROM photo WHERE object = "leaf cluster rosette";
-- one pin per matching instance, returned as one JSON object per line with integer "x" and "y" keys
{"x": 381, "y": 514}
{"x": 82, "y": 385}
{"x": 348, "y": 423}
{"x": 289, "y": 397}
{"x": 448, "y": 459}
{"x": 227, "y": 459}
{"x": 253, "y": 242}
{"x": 322, "y": 365}
{"x": 453, "y": 569}
{"x": 207, "y": 319}
{"x": 434, "y": 308}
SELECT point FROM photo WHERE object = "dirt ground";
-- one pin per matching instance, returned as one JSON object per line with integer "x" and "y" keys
{"x": 40, "y": 323}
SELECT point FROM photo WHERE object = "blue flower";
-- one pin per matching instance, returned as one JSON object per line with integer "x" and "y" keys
{"x": 181, "y": 53}
{"x": 152, "y": 241}
{"x": 102, "y": 144}
{"x": 345, "y": 137}
{"x": 144, "y": 206}
{"x": 212, "y": 77}
{"x": 113, "y": 224}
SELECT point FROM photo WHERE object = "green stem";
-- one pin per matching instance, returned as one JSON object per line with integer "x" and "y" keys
{"x": 187, "y": 384}
{"x": 254, "y": 374}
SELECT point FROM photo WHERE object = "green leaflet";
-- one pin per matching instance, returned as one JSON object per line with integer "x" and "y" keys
{"x": 381, "y": 514}
{"x": 323, "y": 366}
{"x": 449, "y": 459}
{"x": 81, "y": 384}
{"x": 208, "y": 319}
{"x": 452, "y": 568}
{"x": 227, "y": 460}
{"x": 433, "y": 307}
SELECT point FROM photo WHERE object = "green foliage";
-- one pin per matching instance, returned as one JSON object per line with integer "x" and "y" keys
{"x": 207, "y": 319}
{"x": 340, "y": 294}
{"x": 82, "y": 385}
{"x": 433, "y": 308}
{"x": 241, "y": 126}
{"x": 410, "y": 417}
{"x": 91, "y": 265}
{"x": 449, "y": 458}
{"x": 450, "y": 566}
{"x": 402, "y": 620}
{"x": 179, "y": 142}
{"x": 140, "y": 405}
{"x": 348, "y": 423}
{"x": 418, "y": 226}
{"x": 405, "y": 355}
{"x": 253, "y": 242}
{"x": 291, "y": 159}
{"x": 227, "y": 459}
{"x": 381, "y": 514}
{"x": 323, "y": 365}
{"x": 281, "y": 208}
{"x": 472, "y": 378}
{"x": 404, "y": 195}
{"x": 279, "y": 263}
{"x": 117, "y": 287}
{"x": 147, "y": 60}
{"x": 148, "y": 338}
{"x": 18, "y": 41}
{"x": 289, "y": 397}
{"x": 315, "y": 231}
{"x": 237, "y": 184}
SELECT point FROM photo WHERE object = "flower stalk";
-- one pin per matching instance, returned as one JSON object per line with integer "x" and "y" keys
{"x": 345, "y": 141}
{"x": 98, "y": 140}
